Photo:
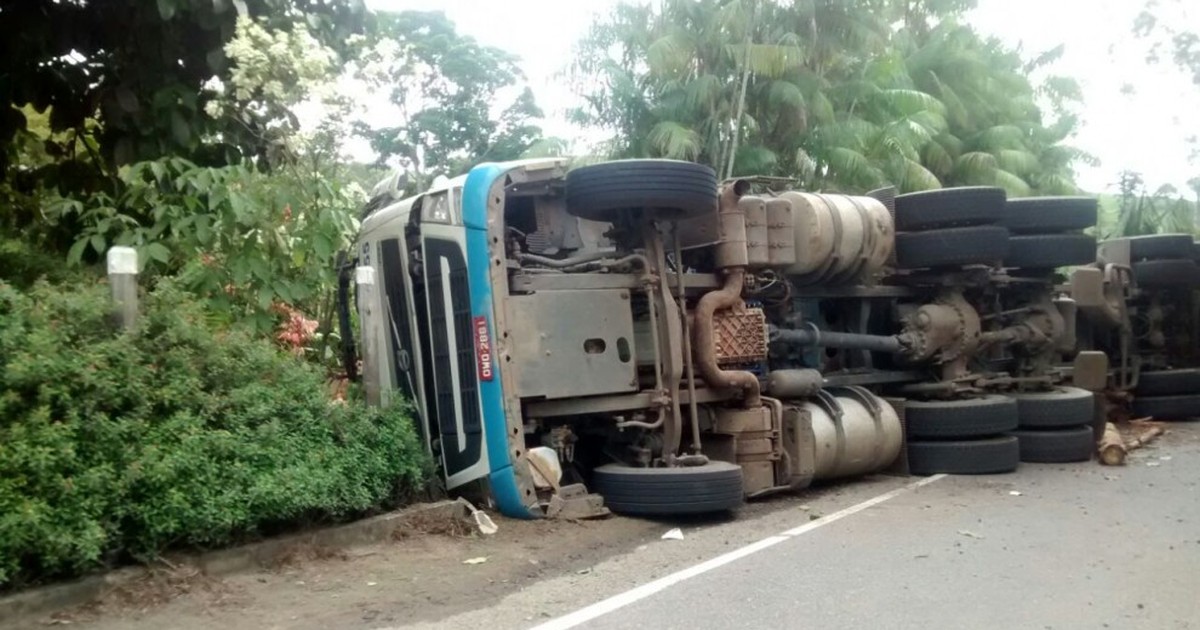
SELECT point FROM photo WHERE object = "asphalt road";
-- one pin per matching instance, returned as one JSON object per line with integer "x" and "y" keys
{"x": 1049, "y": 547}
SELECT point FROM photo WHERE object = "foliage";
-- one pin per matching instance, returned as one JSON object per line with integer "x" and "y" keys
{"x": 449, "y": 95}
{"x": 1165, "y": 26}
{"x": 236, "y": 236}
{"x": 1139, "y": 211}
{"x": 78, "y": 61}
{"x": 830, "y": 93}
{"x": 176, "y": 434}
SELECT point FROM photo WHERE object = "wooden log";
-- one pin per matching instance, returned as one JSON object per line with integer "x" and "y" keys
{"x": 1144, "y": 438}
{"x": 1111, "y": 448}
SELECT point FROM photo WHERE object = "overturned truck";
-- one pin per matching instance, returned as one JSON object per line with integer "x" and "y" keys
{"x": 636, "y": 336}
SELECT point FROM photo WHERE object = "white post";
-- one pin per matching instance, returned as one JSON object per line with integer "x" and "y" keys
{"x": 122, "y": 278}
{"x": 369, "y": 322}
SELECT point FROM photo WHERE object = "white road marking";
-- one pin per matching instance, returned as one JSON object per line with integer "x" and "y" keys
{"x": 622, "y": 600}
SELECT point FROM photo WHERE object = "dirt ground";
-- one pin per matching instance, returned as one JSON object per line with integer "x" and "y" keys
{"x": 416, "y": 578}
{"x": 419, "y": 577}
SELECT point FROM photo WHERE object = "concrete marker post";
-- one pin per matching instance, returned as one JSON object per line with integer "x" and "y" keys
{"x": 368, "y": 318}
{"x": 122, "y": 278}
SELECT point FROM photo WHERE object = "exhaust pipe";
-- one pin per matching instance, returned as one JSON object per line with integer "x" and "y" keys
{"x": 731, "y": 256}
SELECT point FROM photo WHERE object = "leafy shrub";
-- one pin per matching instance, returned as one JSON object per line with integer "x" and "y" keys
{"x": 241, "y": 237}
{"x": 119, "y": 445}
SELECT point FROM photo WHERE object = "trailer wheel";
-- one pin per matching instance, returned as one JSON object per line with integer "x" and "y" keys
{"x": 952, "y": 247}
{"x": 670, "y": 188}
{"x": 1168, "y": 407}
{"x": 964, "y": 457}
{"x": 1166, "y": 273}
{"x": 1055, "y": 446}
{"x": 949, "y": 207}
{"x": 713, "y": 487}
{"x": 973, "y": 417}
{"x": 1048, "y": 215}
{"x": 1049, "y": 251}
{"x": 1168, "y": 382}
{"x": 1160, "y": 246}
{"x": 1060, "y": 407}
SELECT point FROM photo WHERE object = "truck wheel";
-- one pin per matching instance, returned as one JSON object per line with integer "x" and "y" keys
{"x": 1060, "y": 407}
{"x": 1168, "y": 382}
{"x": 1166, "y": 273}
{"x": 973, "y": 417}
{"x": 1049, "y": 251}
{"x": 713, "y": 487}
{"x": 1159, "y": 246}
{"x": 948, "y": 207}
{"x": 964, "y": 457}
{"x": 1048, "y": 215}
{"x": 672, "y": 189}
{"x": 952, "y": 247}
{"x": 1056, "y": 445}
{"x": 1168, "y": 407}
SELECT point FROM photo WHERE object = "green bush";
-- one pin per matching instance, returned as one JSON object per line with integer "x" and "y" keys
{"x": 119, "y": 445}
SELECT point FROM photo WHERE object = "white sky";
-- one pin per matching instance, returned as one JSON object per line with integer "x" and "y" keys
{"x": 1143, "y": 131}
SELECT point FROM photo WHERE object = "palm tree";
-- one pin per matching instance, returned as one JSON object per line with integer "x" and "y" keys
{"x": 829, "y": 94}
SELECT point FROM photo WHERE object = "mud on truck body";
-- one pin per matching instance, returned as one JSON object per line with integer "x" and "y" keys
{"x": 635, "y": 335}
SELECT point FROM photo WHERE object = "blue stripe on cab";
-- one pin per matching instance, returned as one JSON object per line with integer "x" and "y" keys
{"x": 505, "y": 489}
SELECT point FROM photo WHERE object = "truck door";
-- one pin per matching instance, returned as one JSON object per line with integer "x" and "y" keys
{"x": 455, "y": 400}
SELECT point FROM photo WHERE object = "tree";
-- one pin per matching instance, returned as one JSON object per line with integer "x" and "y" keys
{"x": 1140, "y": 211}
{"x": 1163, "y": 24}
{"x": 832, "y": 94}
{"x": 136, "y": 68}
{"x": 444, "y": 88}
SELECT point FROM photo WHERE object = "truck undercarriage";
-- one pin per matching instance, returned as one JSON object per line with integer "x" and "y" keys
{"x": 636, "y": 335}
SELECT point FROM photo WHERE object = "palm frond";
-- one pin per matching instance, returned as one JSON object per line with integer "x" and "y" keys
{"x": 670, "y": 139}
{"x": 937, "y": 159}
{"x": 1011, "y": 183}
{"x": 821, "y": 107}
{"x": 849, "y": 167}
{"x": 785, "y": 95}
{"x": 1000, "y": 137}
{"x": 703, "y": 93}
{"x": 671, "y": 54}
{"x": 909, "y": 102}
{"x": 1016, "y": 161}
{"x": 767, "y": 60}
{"x": 755, "y": 160}
{"x": 976, "y": 166}
{"x": 917, "y": 177}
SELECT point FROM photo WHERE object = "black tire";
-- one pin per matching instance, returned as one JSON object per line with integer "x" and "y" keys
{"x": 964, "y": 457}
{"x": 1166, "y": 273}
{"x": 672, "y": 189}
{"x": 1160, "y": 246}
{"x": 952, "y": 247}
{"x": 1048, "y": 215}
{"x": 1055, "y": 446}
{"x": 1057, "y": 408}
{"x": 1049, "y": 251}
{"x": 949, "y": 207}
{"x": 713, "y": 487}
{"x": 1168, "y": 382}
{"x": 973, "y": 417}
{"x": 1168, "y": 407}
